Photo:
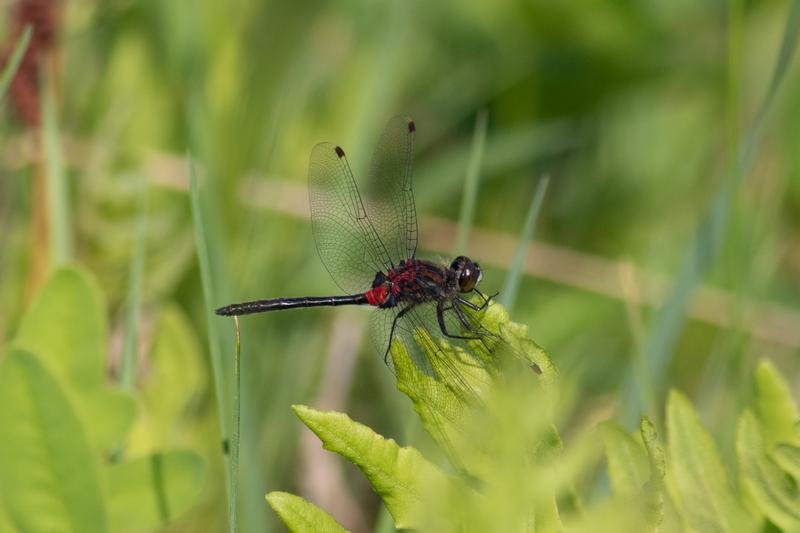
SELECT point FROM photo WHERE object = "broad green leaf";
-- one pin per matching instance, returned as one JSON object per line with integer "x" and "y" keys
{"x": 5, "y": 520}
{"x": 399, "y": 475}
{"x": 628, "y": 467}
{"x": 47, "y": 473}
{"x": 788, "y": 457}
{"x": 774, "y": 407}
{"x": 147, "y": 492}
{"x": 301, "y": 516}
{"x": 66, "y": 328}
{"x": 698, "y": 474}
{"x": 776, "y": 495}
{"x": 107, "y": 415}
{"x": 165, "y": 400}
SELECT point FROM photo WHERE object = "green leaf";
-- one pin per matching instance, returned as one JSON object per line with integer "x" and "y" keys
{"x": 440, "y": 409}
{"x": 444, "y": 402}
{"x": 47, "y": 474}
{"x": 654, "y": 490}
{"x": 66, "y": 328}
{"x": 774, "y": 407}
{"x": 627, "y": 460}
{"x": 5, "y": 520}
{"x": 301, "y": 516}
{"x": 698, "y": 474}
{"x": 788, "y": 457}
{"x": 165, "y": 401}
{"x": 146, "y": 493}
{"x": 776, "y": 495}
{"x": 398, "y": 475}
{"x": 636, "y": 472}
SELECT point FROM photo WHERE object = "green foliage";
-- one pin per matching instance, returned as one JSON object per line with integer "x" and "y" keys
{"x": 60, "y": 422}
{"x": 66, "y": 327}
{"x": 301, "y": 516}
{"x": 772, "y": 489}
{"x": 515, "y": 474}
{"x": 698, "y": 475}
{"x": 147, "y": 492}
{"x": 398, "y": 475}
{"x": 46, "y": 462}
{"x": 639, "y": 112}
{"x": 774, "y": 407}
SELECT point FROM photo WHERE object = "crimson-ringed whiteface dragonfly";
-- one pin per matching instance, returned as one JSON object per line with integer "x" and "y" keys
{"x": 368, "y": 244}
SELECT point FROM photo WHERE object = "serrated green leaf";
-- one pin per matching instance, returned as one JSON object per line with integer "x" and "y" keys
{"x": 776, "y": 495}
{"x": 440, "y": 401}
{"x": 636, "y": 473}
{"x": 698, "y": 474}
{"x": 66, "y": 328}
{"x": 301, "y": 516}
{"x": 148, "y": 492}
{"x": 774, "y": 406}
{"x": 48, "y": 477}
{"x": 788, "y": 457}
{"x": 627, "y": 460}
{"x": 441, "y": 411}
{"x": 399, "y": 475}
{"x": 654, "y": 490}
{"x": 655, "y": 452}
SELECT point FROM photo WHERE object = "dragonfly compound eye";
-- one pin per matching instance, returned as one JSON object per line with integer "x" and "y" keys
{"x": 469, "y": 276}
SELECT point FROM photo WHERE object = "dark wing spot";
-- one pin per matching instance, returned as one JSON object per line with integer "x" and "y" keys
{"x": 339, "y": 151}
{"x": 411, "y": 126}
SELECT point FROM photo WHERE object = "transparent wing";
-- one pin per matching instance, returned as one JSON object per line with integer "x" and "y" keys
{"x": 348, "y": 244}
{"x": 388, "y": 194}
{"x": 444, "y": 379}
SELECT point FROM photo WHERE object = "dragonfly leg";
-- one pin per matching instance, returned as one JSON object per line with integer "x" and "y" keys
{"x": 486, "y": 299}
{"x": 474, "y": 307}
{"x": 477, "y": 330}
{"x": 440, "y": 309}
{"x": 391, "y": 332}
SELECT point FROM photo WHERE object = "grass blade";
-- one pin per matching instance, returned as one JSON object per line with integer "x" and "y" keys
{"x": 511, "y": 286}
{"x": 220, "y": 388}
{"x": 61, "y": 248}
{"x": 234, "y": 452}
{"x": 471, "y": 182}
{"x": 15, "y": 60}
{"x": 128, "y": 370}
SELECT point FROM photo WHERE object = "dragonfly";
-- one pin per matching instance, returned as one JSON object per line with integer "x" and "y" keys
{"x": 368, "y": 244}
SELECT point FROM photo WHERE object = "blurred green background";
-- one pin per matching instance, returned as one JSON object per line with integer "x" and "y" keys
{"x": 635, "y": 110}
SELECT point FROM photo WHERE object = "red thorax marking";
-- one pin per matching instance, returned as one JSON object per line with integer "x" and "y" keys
{"x": 377, "y": 295}
{"x": 397, "y": 280}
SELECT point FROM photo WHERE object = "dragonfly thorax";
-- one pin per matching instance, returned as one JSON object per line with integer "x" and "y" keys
{"x": 418, "y": 281}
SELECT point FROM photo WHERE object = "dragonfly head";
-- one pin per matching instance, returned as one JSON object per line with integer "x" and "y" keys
{"x": 468, "y": 273}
